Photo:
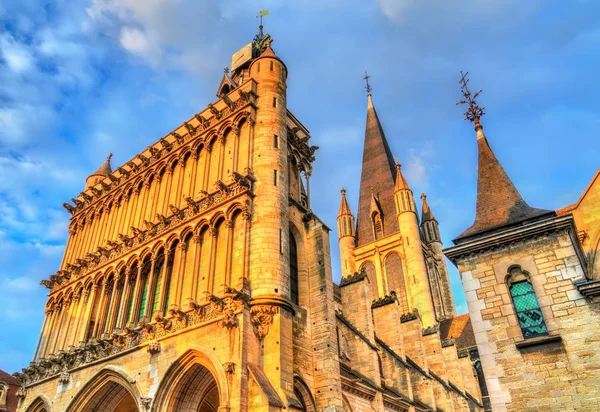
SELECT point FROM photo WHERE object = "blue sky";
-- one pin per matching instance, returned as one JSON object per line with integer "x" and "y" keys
{"x": 79, "y": 79}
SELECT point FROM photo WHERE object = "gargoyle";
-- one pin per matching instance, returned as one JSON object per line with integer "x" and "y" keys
{"x": 133, "y": 166}
{"x": 244, "y": 96}
{"x": 162, "y": 321}
{"x": 82, "y": 263}
{"x": 114, "y": 179}
{"x": 151, "y": 227}
{"x": 176, "y": 211}
{"x": 125, "y": 239}
{"x": 65, "y": 274}
{"x": 228, "y": 102}
{"x": 123, "y": 172}
{"x": 47, "y": 283}
{"x": 145, "y": 161}
{"x": 138, "y": 233}
{"x": 73, "y": 268}
{"x": 113, "y": 244}
{"x": 154, "y": 151}
{"x": 96, "y": 192}
{"x": 165, "y": 143}
{"x": 191, "y": 203}
{"x": 204, "y": 123}
{"x": 163, "y": 219}
{"x": 77, "y": 202}
{"x": 69, "y": 208}
{"x": 87, "y": 197}
{"x": 93, "y": 257}
{"x": 104, "y": 185}
{"x": 191, "y": 130}
{"x": 214, "y": 111}
{"x": 104, "y": 251}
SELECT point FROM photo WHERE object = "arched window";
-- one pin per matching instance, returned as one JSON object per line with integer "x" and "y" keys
{"x": 144, "y": 289}
{"x": 369, "y": 268}
{"x": 395, "y": 278}
{"x": 158, "y": 275}
{"x": 293, "y": 270}
{"x": 377, "y": 226}
{"x": 526, "y": 304}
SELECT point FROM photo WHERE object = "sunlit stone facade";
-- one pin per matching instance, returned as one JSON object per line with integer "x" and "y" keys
{"x": 197, "y": 278}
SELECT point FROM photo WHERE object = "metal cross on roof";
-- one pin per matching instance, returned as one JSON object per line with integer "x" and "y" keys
{"x": 474, "y": 112}
{"x": 366, "y": 78}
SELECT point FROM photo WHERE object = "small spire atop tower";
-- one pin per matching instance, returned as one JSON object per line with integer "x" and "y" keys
{"x": 344, "y": 207}
{"x": 105, "y": 169}
{"x": 400, "y": 181}
{"x": 426, "y": 213}
{"x": 499, "y": 203}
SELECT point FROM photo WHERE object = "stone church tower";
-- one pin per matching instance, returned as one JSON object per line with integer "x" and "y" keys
{"x": 533, "y": 285}
{"x": 197, "y": 278}
{"x": 397, "y": 253}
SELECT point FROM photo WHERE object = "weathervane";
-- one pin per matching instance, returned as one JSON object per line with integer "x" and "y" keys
{"x": 259, "y": 42}
{"x": 366, "y": 78}
{"x": 261, "y": 14}
{"x": 474, "y": 112}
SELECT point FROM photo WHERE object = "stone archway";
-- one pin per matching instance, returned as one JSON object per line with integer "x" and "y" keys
{"x": 39, "y": 405}
{"x": 197, "y": 392}
{"x": 108, "y": 391}
{"x": 194, "y": 383}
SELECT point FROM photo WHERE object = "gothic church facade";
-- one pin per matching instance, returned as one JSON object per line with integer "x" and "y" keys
{"x": 197, "y": 278}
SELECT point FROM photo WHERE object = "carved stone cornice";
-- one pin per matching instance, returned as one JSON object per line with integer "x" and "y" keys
{"x": 208, "y": 119}
{"x": 164, "y": 223}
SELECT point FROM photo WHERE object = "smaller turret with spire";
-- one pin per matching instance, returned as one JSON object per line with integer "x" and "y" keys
{"x": 102, "y": 172}
{"x": 346, "y": 236}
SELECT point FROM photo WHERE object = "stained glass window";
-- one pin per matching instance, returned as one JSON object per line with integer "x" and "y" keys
{"x": 528, "y": 310}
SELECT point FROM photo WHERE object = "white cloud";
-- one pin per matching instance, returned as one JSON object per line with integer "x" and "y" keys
{"x": 17, "y": 56}
{"x": 394, "y": 9}
{"x": 20, "y": 284}
{"x": 136, "y": 42}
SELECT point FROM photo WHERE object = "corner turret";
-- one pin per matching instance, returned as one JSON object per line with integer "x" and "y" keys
{"x": 102, "y": 172}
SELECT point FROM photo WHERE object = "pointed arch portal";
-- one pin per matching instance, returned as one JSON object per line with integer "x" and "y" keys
{"x": 108, "y": 391}
{"x": 194, "y": 383}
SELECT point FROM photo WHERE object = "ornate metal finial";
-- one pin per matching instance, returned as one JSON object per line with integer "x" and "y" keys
{"x": 108, "y": 157}
{"x": 343, "y": 191}
{"x": 226, "y": 70}
{"x": 423, "y": 196}
{"x": 398, "y": 166}
{"x": 261, "y": 14}
{"x": 366, "y": 78}
{"x": 474, "y": 112}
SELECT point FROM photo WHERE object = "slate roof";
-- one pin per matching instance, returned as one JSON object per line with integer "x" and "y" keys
{"x": 499, "y": 203}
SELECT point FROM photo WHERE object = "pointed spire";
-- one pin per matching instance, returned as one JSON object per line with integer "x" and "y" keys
{"x": 400, "y": 181}
{"x": 426, "y": 213}
{"x": 499, "y": 203}
{"x": 378, "y": 175}
{"x": 105, "y": 169}
{"x": 344, "y": 207}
